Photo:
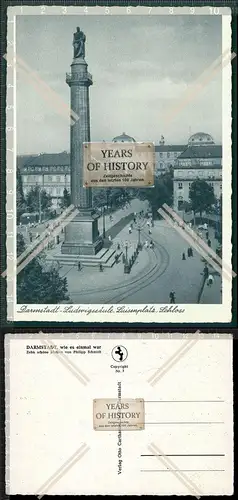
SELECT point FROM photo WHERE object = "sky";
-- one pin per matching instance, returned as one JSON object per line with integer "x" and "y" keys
{"x": 142, "y": 68}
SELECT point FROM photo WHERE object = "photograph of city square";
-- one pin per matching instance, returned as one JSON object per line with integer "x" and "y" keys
{"x": 125, "y": 78}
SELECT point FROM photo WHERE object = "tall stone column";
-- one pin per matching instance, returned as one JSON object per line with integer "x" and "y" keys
{"x": 81, "y": 235}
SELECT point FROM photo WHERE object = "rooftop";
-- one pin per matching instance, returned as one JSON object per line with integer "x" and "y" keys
{"x": 46, "y": 159}
{"x": 200, "y": 138}
{"x": 209, "y": 151}
{"x": 170, "y": 147}
{"x": 123, "y": 138}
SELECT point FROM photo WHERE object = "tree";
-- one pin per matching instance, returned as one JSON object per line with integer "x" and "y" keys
{"x": 201, "y": 195}
{"x": 21, "y": 204}
{"x": 160, "y": 193}
{"x": 38, "y": 285}
{"x": 36, "y": 197}
{"x": 65, "y": 202}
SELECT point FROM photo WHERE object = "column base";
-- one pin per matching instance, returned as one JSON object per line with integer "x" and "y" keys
{"x": 82, "y": 235}
{"x": 81, "y": 249}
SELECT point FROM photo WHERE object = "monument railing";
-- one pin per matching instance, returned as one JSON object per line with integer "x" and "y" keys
{"x": 78, "y": 77}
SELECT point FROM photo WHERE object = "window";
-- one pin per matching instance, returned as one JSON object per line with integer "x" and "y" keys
{"x": 205, "y": 162}
{"x": 161, "y": 165}
{"x": 58, "y": 191}
{"x": 180, "y": 203}
{"x": 161, "y": 155}
{"x": 58, "y": 178}
{"x": 180, "y": 185}
{"x": 168, "y": 155}
{"x": 49, "y": 178}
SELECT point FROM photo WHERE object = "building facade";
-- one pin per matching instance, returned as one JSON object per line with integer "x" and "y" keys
{"x": 202, "y": 159}
{"x": 51, "y": 172}
{"x": 166, "y": 156}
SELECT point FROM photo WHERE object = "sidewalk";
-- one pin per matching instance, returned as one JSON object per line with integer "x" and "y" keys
{"x": 212, "y": 294}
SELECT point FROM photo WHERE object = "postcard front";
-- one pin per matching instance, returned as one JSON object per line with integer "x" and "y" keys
{"x": 103, "y": 236}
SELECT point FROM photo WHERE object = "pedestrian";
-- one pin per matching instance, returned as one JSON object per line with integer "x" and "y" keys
{"x": 150, "y": 231}
{"x": 100, "y": 268}
{"x": 151, "y": 244}
{"x": 134, "y": 219}
{"x": 183, "y": 256}
{"x": 110, "y": 238}
{"x": 172, "y": 297}
{"x": 191, "y": 252}
{"x": 148, "y": 223}
{"x": 205, "y": 226}
{"x": 118, "y": 246}
{"x": 30, "y": 236}
{"x": 146, "y": 244}
{"x": 207, "y": 235}
{"x": 209, "y": 243}
{"x": 79, "y": 266}
{"x": 130, "y": 229}
{"x": 210, "y": 280}
{"x": 57, "y": 239}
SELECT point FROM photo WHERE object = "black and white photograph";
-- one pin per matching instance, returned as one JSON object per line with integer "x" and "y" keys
{"x": 151, "y": 253}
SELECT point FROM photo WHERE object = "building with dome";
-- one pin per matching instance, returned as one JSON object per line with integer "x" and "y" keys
{"x": 202, "y": 159}
{"x": 123, "y": 138}
{"x": 165, "y": 154}
{"x": 200, "y": 139}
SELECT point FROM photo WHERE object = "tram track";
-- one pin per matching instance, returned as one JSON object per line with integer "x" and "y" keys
{"x": 161, "y": 263}
{"x": 157, "y": 270}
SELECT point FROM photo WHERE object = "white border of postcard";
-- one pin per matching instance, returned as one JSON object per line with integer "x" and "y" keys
{"x": 144, "y": 313}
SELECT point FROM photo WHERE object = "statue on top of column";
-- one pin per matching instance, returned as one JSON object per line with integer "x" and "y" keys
{"x": 79, "y": 43}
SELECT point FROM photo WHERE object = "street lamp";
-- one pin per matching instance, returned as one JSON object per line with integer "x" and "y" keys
{"x": 103, "y": 223}
{"x": 139, "y": 242}
{"x": 126, "y": 256}
{"x": 138, "y": 226}
{"x": 39, "y": 201}
{"x": 126, "y": 265}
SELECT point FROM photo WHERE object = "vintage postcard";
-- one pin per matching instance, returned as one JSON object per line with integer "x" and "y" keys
{"x": 119, "y": 164}
{"x": 153, "y": 416}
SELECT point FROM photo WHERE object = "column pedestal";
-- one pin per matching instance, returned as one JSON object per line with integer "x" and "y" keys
{"x": 82, "y": 235}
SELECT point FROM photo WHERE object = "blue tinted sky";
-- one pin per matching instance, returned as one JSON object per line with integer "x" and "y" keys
{"x": 141, "y": 67}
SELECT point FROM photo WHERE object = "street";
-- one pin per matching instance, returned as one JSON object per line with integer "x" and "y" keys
{"x": 154, "y": 275}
